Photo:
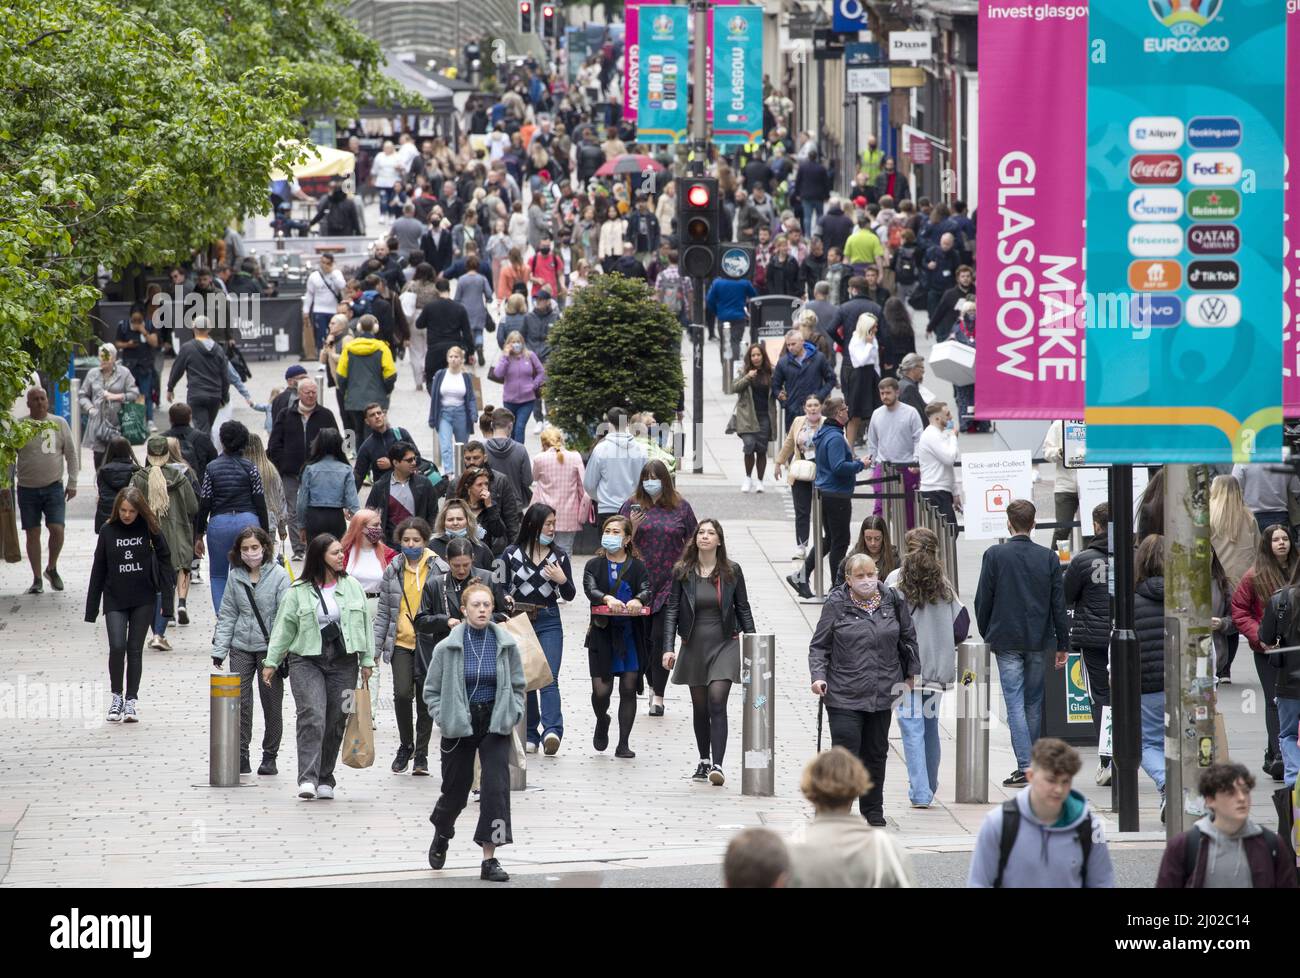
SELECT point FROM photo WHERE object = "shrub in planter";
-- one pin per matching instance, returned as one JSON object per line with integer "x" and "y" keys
{"x": 614, "y": 346}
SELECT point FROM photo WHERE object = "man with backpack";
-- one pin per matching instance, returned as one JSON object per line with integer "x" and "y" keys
{"x": 338, "y": 214}
{"x": 1227, "y": 849}
{"x": 906, "y": 264}
{"x": 204, "y": 362}
{"x": 1047, "y": 835}
{"x": 546, "y": 271}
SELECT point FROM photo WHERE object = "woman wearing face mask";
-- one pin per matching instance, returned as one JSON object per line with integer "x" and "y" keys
{"x": 523, "y": 375}
{"x": 538, "y": 572}
{"x": 1274, "y": 568}
{"x": 475, "y": 490}
{"x": 618, "y": 640}
{"x": 457, "y": 522}
{"x": 324, "y": 632}
{"x": 662, "y": 523}
{"x": 708, "y": 606}
{"x": 862, "y": 657}
{"x": 452, "y": 405}
{"x": 395, "y": 637}
{"x": 366, "y": 556}
{"x": 132, "y": 569}
{"x": 254, "y": 590}
{"x": 798, "y": 447}
{"x": 475, "y": 694}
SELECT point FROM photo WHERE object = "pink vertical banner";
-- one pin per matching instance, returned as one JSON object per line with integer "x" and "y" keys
{"x": 1032, "y": 146}
{"x": 1291, "y": 226}
{"x": 631, "y": 54}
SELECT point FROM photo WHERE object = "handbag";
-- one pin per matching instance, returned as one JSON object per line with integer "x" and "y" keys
{"x": 359, "y": 735}
{"x": 537, "y": 671}
{"x": 801, "y": 470}
{"x": 600, "y": 621}
{"x": 9, "y": 527}
{"x": 134, "y": 428}
{"x": 730, "y": 429}
{"x": 282, "y": 670}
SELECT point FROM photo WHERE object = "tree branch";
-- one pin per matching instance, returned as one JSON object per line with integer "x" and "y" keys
{"x": 43, "y": 35}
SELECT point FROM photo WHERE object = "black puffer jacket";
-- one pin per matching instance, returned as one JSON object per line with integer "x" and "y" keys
{"x": 1149, "y": 622}
{"x": 1086, "y": 592}
{"x": 1276, "y": 626}
{"x": 111, "y": 479}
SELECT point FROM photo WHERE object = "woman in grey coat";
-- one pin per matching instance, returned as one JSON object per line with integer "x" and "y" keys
{"x": 103, "y": 393}
{"x": 863, "y": 657}
{"x": 248, "y": 609}
{"x": 474, "y": 293}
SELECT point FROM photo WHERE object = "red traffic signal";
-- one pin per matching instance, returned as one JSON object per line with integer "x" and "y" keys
{"x": 698, "y": 195}
{"x": 525, "y": 16}
{"x": 548, "y": 11}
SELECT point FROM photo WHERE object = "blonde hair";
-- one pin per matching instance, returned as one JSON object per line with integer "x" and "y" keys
{"x": 833, "y": 779}
{"x": 865, "y": 322}
{"x": 513, "y": 335}
{"x": 552, "y": 437}
{"x": 516, "y": 304}
{"x": 805, "y": 317}
{"x": 159, "y": 499}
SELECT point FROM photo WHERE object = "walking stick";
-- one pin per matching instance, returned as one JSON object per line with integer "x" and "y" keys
{"x": 821, "y": 712}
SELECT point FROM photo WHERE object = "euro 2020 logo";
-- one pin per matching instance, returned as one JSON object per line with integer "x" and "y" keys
{"x": 663, "y": 26}
{"x": 1185, "y": 17}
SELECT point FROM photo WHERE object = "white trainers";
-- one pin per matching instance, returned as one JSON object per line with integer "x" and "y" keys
{"x": 1103, "y": 775}
{"x": 307, "y": 790}
{"x": 746, "y": 484}
{"x": 324, "y": 792}
{"x": 161, "y": 644}
{"x": 129, "y": 714}
{"x": 115, "y": 709}
{"x": 758, "y": 486}
{"x": 538, "y": 425}
{"x": 800, "y": 552}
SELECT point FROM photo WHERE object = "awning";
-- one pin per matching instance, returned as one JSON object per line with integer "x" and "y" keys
{"x": 321, "y": 161}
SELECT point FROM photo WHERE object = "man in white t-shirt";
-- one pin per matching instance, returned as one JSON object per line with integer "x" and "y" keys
{"x": 406, "y": 153}
{"x": 937, "y": 454}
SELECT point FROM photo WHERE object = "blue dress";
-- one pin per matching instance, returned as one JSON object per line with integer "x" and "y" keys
{"x": 622, "y": 641}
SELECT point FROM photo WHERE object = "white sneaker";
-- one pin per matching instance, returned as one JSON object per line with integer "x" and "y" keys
{"x": 538, "y": 425}
{"x": 1103, "y": 775}
{"x": 324, "y": 792}
{"x": 307, "y": 790}
{"x": 800, "y": 552}
{"x": 161, "y": 644}
{"x": 746, "y": 484}
{"x": 531, "y": 748}
{"x": 115, "y": 709}
{"x": 129, "y": 714}
{"x": 758, "y": 486}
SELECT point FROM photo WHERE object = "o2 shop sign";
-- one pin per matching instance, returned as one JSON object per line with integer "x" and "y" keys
{"x": 849, "y": 17}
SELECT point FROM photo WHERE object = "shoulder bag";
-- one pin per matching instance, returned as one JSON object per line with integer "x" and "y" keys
{"x": 283, "y": 669}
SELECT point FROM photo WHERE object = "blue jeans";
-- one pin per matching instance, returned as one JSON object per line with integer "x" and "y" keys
{"x": 1021, "y": 676}
{"x": 159, "y": 622}
{"x": 222, "y": 530}
{"x": 144, "y": 382}
{"x": 812, "y": 212}
{"x": 918, "y": 719}
{"x": 522, "y": 412}
{"x": 320, "y": 328}
{"x": 550, "y": 717}
{"x": 1153, "y": 737}
{"x": 453, "y": 426}
{"x": 1288, "y": 715}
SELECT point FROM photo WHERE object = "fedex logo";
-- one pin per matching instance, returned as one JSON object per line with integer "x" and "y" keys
{"x": 1213, "y": 169}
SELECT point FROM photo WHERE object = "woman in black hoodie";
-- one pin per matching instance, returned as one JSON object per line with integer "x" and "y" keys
{"x": 114, "y": 475}
{"x": 1149, "y": 623}
{"x": 132, "y": 568}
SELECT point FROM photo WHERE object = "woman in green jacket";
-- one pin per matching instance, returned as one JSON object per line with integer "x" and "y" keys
{"x": 475, "y": 694}
{"x": 173, "y": 500}
{"x": 323, "y": 627}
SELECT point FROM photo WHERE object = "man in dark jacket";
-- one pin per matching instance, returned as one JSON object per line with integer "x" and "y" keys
{"x": 508, "y": 456}
{"x": 1226, "y": 849}
{"x": 948, "y": 311}
{"x": 643, "y": 230}
{"x": 372, "y": 457}
{"x": 402, "y": 492}
{"x": 1020, "y": 609}
{"x": 538, "y": 323}
{"x": 504, "y": 493}
{"x": 911, "y": 371}
{"x": 845, "y": 322}
{"x": 203, "y": 360}
{"x": 291, "y": 437}
{"x": 1087, "y": 592}
{"x": 590, "y": 157}
{"x": 812, "y": 185}
{"x": 757, "y": 174}
{"x": 435, "y": 243}
{"x": 338, "y": 214}
{"x": 801, "y": 371}
{"x": 940, "y": 274}
{"x": 446, "y": 324}
{"x": 836, "y": 226}
{"x": 196, "y": 448}
{"x": 628, "y": 265}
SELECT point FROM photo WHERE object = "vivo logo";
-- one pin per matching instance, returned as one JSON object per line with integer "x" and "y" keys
{"x": 1155, "y": 310}
{"x": 1213, "y": 169}
{"x": 1155, "y": 240}
{"x": 1155, "y": 133}
{"x": 1155, "y": 204}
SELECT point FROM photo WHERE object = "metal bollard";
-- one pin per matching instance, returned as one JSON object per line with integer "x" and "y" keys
{"x": 223, "y": 732}
{"x": 458, "y": 460}
{"x": 758, "y": 736}
{"x": 972, "y": 722}
{"x": 74, "y": 392}
{"x": 815, "y": 519}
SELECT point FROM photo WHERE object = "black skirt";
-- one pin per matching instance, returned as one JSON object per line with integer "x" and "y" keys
{"x": 863, "y": 395}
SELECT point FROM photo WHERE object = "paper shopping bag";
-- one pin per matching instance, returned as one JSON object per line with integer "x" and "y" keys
{"x": 537, "y": 671}
{"x": 1220, "y": 740}
{"x": 9, "y": 541}
{"x": 359, "y": 736}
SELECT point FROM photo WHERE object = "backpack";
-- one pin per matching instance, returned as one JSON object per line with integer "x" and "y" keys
{"x": 1011, "y": 827}
{"x": 895, "y": 235}
{"x": 363, "y": 304}
{"x": 1193, "y": 849}
{"x": 669, "y": 287}
{"x": 905, "y": 263}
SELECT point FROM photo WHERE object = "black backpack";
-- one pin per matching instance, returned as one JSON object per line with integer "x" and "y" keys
{"x": 1193, "y": 848}
{"x": 1011, "y": 827}
{"x": 905, "y": 265}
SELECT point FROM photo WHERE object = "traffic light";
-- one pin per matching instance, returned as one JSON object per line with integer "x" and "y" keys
{"x": 697, "y": 226}
{"x": 548, "y": 20}
{"x": 525, "y": 16}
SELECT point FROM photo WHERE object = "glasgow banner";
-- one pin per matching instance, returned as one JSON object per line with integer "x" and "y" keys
{"x": 663, "y": 44}
{"x": 1185, "y": 157}
{"x": 632, "y": 54}
{"x": 737, "y": 101}
{"x": 1291, "y": 229}
{"x": 1029, "y": 354}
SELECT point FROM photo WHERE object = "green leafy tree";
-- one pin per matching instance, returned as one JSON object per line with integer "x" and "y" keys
{"x": 614, "y": 346}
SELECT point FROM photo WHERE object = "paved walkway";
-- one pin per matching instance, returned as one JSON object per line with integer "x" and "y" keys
{"x": 87, "y": 803}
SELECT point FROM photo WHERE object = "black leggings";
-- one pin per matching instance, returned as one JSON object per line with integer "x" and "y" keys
{"x": 1268, "y": 682}
{"x": 127, "y": 629}
{"x": 709, "y": 712}
{"x": 602, "y": 691}
{"x": 801, "y": 494}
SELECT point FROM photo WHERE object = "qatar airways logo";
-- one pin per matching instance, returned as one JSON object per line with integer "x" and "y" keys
{"x": 1156, "y": 168}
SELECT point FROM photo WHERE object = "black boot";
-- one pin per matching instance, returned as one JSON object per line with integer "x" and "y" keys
{"x": 268, "y": 764}
{"x": 244, "y": 766}
{"x": 492, "y": 872}
{"x": 438, "y": 851}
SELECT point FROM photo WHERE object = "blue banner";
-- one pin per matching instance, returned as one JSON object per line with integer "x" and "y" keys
{"x": 848, "y": 16}
{"x": 664, "y": 57}
{"x": 1184, "y": 226}
{"x": 738, "y": 75}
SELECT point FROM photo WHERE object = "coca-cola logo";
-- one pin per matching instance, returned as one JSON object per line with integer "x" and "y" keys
{"x": 1156, "y": 168}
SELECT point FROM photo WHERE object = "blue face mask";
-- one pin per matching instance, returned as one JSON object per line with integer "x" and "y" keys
{"x": 546, "y": 541}
{"x": 612, "y": 543}
{"x": 413, "y": 553}
{"x": 455, "y": 534}
{"x": 482, "y": 533}
{"x": 652, "y": 487}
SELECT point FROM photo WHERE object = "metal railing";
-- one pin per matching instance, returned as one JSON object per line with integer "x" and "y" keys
{"x": 893, "y": 509}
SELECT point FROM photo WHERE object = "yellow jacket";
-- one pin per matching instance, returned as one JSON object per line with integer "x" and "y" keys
{"x": 364, "y": 346}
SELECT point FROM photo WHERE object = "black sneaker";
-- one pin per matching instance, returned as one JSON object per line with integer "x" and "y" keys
{"x": 623, "y": 750}
{"x": 1016, "y": 780}
{"x": 182, "y": 616}
{"x": 801, "y": 587}
{"x": 36, "y": 588}
{"x": 876, "y": 819}
{"x": 601, "y": 740}
{"x": 268, "y": 765}
{"x": 716, "y": 777}
{"x": 53, "y": 577}
{"x": 1276, "y": 770}
{"x": 402, "y": 759}
{"x": 701, "y": 772}
{"x": 244, "y": 766}
{"x": 421, "y": 767}
{"x": 438, "y": 851}
{"x": 492, "y": 872}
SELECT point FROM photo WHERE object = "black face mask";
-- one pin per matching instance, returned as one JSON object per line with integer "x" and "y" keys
{"x": 544, "y": 251}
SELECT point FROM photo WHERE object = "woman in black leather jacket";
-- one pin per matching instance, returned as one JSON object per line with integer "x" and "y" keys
{"x": 708, "y": 606}
{"x": 1280, "y": 625}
